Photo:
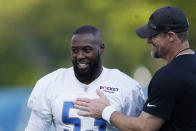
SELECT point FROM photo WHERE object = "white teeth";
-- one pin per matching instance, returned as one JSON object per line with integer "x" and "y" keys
{"x": 82, "y": 65}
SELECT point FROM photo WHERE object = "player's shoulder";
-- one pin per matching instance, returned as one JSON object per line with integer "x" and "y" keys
{"x": 55, "y": 75}
{"x": 127, "y": 85}
{"x": 117, "y": 74}
{"x": 46, "y": 83}
{"x": 121, "y": 77}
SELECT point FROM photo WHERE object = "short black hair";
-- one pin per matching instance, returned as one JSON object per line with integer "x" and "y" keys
{"x": 91, "y": 30}
{"x": 86, "y": 29}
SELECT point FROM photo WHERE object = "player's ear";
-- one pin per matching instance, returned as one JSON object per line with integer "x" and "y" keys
{"x": 102, "y": 46}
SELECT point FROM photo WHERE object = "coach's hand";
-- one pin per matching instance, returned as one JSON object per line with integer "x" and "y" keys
{"x": 92, "y": 107}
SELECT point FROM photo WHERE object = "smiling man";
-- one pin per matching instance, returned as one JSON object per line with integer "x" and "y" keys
{"x": 52, "y": 96}
{"x": 87, "y": 49}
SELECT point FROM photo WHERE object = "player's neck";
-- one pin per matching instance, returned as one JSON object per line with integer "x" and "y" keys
{"x": 93, "y": 77}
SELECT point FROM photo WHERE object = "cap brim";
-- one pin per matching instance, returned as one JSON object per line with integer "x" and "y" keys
{"x": 145, "y": 31}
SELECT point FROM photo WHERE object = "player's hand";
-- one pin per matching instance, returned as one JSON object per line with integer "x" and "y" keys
{"x": 92, "y": 107}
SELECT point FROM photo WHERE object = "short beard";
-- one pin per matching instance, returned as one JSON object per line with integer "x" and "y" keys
{"x": 155, "y": 54}
{"x": 86, "y": 76}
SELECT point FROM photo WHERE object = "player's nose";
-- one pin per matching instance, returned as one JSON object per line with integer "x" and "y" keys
{"x": 80, "y": 55}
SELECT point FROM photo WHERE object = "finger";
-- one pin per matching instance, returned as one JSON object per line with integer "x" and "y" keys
{"x": 86, "y": 114}
{"x": 87, "y": 100}
{"x": 84, "y": 108}
{"x": 80, "y": 103}
{"x": 100, "y": 93}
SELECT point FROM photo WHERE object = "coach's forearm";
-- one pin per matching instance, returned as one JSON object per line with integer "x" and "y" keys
{"x": 125, "y": 123}
{"x": 145, "y": 122}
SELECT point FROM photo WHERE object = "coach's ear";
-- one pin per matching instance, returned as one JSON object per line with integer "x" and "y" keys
{"x": 172, "y": 36}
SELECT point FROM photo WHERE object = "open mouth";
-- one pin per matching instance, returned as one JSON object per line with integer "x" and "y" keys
{"x": 83, "y": 66}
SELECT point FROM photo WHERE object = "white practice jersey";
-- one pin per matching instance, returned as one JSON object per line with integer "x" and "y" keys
{"x": 52, "y": 97}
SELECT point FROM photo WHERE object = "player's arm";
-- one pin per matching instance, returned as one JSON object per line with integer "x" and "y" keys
{"x": 135, "y": 101}
{"x": 145, "y": 122}
{"x": 41, "y": 115}
{"x": 36, "y": 123}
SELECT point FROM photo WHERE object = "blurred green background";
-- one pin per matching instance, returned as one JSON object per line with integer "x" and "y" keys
{"x": 35, "y": 34}
{"x": 35, "y": 40}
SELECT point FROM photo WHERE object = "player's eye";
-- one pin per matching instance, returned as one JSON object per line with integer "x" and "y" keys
{"x": 88, "y": 49}
{"x": 74, "y": 50}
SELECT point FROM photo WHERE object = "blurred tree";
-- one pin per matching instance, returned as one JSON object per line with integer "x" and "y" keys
{"x": 35, "y": 35}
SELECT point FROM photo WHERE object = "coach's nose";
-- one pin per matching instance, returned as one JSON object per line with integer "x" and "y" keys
{"x": 149, "y": 40}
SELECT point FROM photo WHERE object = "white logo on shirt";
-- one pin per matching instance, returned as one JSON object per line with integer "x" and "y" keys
{"x": 149, "y": 105}
{"x": 108, "y": 89}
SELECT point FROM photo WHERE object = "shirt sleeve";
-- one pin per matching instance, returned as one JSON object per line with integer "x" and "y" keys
{"x": 162, "y": 94}
{"x": 36, "y": 123}
{"x": 41, "y": 116}
{"x": 134, "y": 101}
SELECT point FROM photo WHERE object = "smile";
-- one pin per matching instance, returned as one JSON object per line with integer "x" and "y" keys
{"x": 82, "y": 65}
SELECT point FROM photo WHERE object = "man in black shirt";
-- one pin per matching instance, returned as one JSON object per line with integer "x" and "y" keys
{"x": 171, "y": 103}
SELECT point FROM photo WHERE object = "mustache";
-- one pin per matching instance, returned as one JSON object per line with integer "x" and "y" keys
{"x": 80, "y": 60}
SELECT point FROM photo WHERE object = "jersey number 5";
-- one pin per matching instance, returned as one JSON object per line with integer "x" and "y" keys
{"x": 76, "y": 121}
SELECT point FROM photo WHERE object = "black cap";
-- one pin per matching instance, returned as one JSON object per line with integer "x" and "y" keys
{"x": 164, "y": 19}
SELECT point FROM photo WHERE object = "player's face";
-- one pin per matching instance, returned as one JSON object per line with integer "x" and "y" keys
{"x": 86, "y": 55}
{"x": 159, "y": 45}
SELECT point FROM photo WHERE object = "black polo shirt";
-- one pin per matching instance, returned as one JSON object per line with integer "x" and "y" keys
{"x": 172, "y": 94}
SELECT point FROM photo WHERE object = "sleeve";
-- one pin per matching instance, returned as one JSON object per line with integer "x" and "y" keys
{"x": 162, "y": 94}
{"x": 134, "y": 101}
{"x": 41, "y": 116}
{"x": 36, "y": 123}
